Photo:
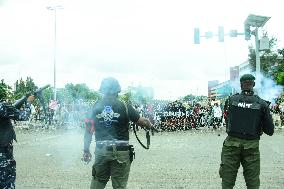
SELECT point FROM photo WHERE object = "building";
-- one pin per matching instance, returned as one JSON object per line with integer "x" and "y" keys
{"x": 245, "y": 68}
{"x": 218, "y": 90}
{"x": 234, "y": 73}
{"x": 210, "y": 85}
{"x": 221, "y": 90}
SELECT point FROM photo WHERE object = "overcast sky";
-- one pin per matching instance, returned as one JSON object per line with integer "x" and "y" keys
{"x": 147, "y": 42}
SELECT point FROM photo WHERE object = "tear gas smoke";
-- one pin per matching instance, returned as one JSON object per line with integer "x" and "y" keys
{"x": 265, "y": 87}
{"x": 268, "y": 89}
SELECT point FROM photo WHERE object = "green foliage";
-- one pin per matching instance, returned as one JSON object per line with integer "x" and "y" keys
{"x": 73, "y": 92}
{"x": 189, "y": 97}
{"x": 281, "y": 52}
{"x": 279, "y": 74}
{"x": 271, "y": 63}
{"x": 47, "y": 94}
{"x": 69, "y": 94}
{"x": 23, "y": 87}
{"x": 5, "y": 91}
{"x": 126, "y": 97}
{"x": 280, "y": 78}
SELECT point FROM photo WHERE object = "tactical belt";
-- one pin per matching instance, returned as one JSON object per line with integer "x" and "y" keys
{"x": 111, "y": 148}
{"x": 244, "y": 136}
{"x": 113, "y": 142}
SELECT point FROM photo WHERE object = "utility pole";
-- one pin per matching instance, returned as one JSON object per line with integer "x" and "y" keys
{"x": 54, "y": 8}
{"x": 257, "y": 22}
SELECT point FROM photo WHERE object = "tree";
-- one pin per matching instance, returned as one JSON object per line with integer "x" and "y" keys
{"x": 280, "y": 78}
{"x": 267, "y": 57}
{"x": 188, "y": 98}
{"x": 5, "y": 91}
{"x": 72, "y": 92}
{"x": 281, "y": 52}
{"x": 23, "y": 87}
{"x": 126, "y": 97}
{"x": 270, "y": 63}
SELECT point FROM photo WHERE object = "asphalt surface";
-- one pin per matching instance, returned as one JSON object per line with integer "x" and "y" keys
{"x": 181, "y": 160}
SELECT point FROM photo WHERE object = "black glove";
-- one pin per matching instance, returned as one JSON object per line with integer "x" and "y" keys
{"x": 87, "y": 157}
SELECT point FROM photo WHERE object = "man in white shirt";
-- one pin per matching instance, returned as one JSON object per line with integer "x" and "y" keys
{"x": 217, "y": 113}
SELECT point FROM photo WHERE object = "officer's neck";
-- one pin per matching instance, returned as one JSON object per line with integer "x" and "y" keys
{"x": 247, "y": 92}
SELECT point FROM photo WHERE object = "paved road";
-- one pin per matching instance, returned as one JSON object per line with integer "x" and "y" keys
{"x": 182, "y": 160}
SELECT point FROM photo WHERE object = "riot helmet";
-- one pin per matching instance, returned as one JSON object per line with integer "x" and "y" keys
{"x": 110, "y": 86}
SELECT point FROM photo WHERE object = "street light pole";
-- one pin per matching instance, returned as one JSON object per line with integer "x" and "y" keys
{"x": 255, "y": 21}
{"x": 54, "y": 58}
{"x": 54, "y": 8}
{"x": 257, "y": 58}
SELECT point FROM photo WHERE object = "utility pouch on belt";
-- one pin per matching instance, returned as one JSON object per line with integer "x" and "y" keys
{"x": 131, "y": 153}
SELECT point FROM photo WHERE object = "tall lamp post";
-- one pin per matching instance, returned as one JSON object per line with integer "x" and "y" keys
{"x": 54, "y": 8}
{"x": 257, "y": 22}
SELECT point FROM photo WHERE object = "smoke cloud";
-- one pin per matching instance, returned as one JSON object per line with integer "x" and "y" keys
{"x": 265, "y": 88}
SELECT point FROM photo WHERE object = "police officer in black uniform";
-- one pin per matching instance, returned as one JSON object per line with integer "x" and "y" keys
{"x": 113, "y": 153}
{"x": 7, "y": 136}
{"x": 247, "y": 116}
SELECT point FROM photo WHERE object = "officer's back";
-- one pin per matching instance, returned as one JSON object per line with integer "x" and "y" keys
{"x": 247, "y": 116}
{"x": 111, "y": 120}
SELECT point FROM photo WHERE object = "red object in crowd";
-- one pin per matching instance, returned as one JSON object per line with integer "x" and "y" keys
{"x": 90, "y": 125}
{"x": 53, "y": 105}
{"x": 196, "y": 110}
{"x": 225, "y": 114}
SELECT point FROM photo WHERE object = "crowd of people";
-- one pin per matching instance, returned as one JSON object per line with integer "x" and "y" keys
{"x": 178, "y": 115}
{"x": 58, "y": 115}
{"x": 164, "y": 114}
{"x": 172, "y": 116}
